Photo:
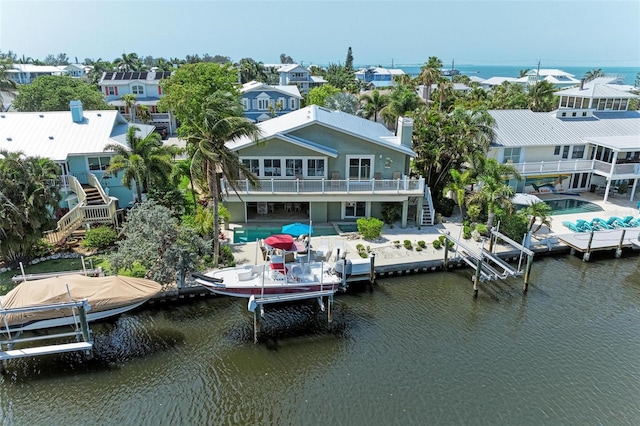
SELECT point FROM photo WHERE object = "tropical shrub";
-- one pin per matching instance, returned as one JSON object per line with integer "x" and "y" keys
{"x": 514, "y": 226}
{"x": 226, "y": 256}
{"x": 445, "y": 206}
{"x": 370, "y": 228}
{"x": 474, "y": 211}
{"x": 437, "y": 244}
{"x": 391, "y": 212}
{"x": 100, "y": 237}
{"x": 481, "y": 228}
{"x": 42, "y": 248}
{"x": 422, "y": 244}
{"x": 408, "y": 245}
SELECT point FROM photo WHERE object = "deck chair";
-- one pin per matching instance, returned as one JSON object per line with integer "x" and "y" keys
{"x": 612, "y": 221}
{"x": 397, "y": 175}
{"x": 625, "y": 222}
{"x": 335, "y": 179}
{"x": 571, "y": 226}
{"x": 599, "y": 224}
{"x": 583, "y": 225}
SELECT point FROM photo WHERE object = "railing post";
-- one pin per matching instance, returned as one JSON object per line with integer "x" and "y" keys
{"x": 272, "y": 185}
{"x": 322, "y": 186}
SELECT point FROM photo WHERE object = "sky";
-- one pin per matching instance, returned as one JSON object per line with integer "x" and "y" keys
{"x": 602, "y": 33}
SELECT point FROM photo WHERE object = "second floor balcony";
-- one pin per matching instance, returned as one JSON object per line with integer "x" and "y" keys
{"x": 404, "y": 185}
{"x": 619, "y": 171}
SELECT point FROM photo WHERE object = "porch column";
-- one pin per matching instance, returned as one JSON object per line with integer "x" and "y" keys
{"x": 613, "y": 166}
{"x": 633, "y": 189}
{"x": 405, "y": 213}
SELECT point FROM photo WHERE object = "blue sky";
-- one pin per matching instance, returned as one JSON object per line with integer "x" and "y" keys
{"x": 603, "y": 33}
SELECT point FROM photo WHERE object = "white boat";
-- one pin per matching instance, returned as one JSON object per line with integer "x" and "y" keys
{"x": 107, "y": 296}
{"x": 282, "y": 274}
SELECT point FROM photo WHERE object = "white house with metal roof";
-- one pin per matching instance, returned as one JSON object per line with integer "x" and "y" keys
{"x": 591, "y": 141}
{"x": 322, "y": 165}
{"x": 378, "y": 76}
{"x": 261, "y": 101}
{"x": 299, "y": 76}
{"x": 26, "y": 73}
{"x": 75, "y": 140}
{"x": 556, "y": 77}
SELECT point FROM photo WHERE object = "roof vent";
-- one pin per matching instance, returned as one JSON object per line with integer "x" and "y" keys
{"x": 3, "y": 116}
{"x": 99, "y": 115}
{"x": 9, "y": 139}
{"x": 41, "y": 115}
{"x": 50, "y": 138}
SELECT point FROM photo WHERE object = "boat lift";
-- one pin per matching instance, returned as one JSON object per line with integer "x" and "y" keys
{"x": 82, "y": 333}
{"x": 488, "y": 266}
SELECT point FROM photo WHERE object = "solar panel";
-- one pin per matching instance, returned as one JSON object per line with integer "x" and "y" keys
{"x": 143, "y": 75}
{"x": 118, "y": 76}
{"x": 127, "y": 76}
{"x": 108, "y": 76}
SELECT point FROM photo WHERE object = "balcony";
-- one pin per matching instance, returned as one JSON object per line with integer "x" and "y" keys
{"x": 602, "y": 168}
{"x": 403, "y": 186}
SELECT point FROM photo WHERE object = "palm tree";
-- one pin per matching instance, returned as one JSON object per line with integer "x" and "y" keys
{"x": 144, "y": 161}
{"x": 373, "y": 104}
{"x": 539, "y": 211}
{"x": 430, "y": 74}
{"x": 130, "y": 100}
{"x": 541, "y": 96}
{"x": 495, "y": 190}
{"x": 223, "y": 121}
{"x": 523, "y": 72}
{"x": 183, "y": 169}
{"x": 402, "y": 99}
{"x": 594, "y": 73}
{"x": 128, "y": 62}
{"x": 6, "y": 84}
{"x": 458, "y": 185}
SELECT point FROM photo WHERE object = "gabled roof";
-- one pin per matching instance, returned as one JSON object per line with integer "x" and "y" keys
{"x": 543, "y": 72}
{"x": 54, "y": 135}
{"x": 34, "y": 68}
{"x": 292, "y": 67}
{"x": 252, "y": 86}
{"x": 523, "y": 127}
{"x": 380, "y": 70}
{"x": 616, "y": 143}
{"x": 336, "y": 120}
{"x": 497, "y": 81}
{"x": 597, "y": 91}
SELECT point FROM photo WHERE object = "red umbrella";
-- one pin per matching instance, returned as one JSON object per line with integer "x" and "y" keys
{"x": 280, "y": 241}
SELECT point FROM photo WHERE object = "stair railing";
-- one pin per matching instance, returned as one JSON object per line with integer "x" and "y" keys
{"x": 93, "y": 181}
{"x": 431, "y": 208}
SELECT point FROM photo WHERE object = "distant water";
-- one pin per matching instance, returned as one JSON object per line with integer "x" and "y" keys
{"x": 488, "y": 71}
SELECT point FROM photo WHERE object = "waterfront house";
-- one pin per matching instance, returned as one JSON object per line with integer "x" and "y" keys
{"x": 492, "y": 82}
{"x": 146, "y": 86}
{"x": 591, "y": 142}
{"x": 75, "y": 140}
{"x": 326, "y": 166}
{"x": 378, "y": 76}
{"x": 76, "y": 70}
{"x": 261, "y": 101}
{"x": 558, "y": 78}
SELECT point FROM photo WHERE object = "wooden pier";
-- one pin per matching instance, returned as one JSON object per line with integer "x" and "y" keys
{"x": 605, "y": 240}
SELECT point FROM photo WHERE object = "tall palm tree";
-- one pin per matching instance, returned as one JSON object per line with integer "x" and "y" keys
{"x": 373, "y": 104}
{"x": 6, "y": 84}
{"x": 223, "y": 121}
{"x": 458, "y": 185}
{"x": 128, "y": 62}
{"x": 145, "y": 161}
{"x": 594, "y": 73}
{"x": 403, "y": 99}
{"x": 541, "y": 96}
{"x": 130, "y": 100}
{"x": 430, "y": 74}
{"x": 495, "y": 191}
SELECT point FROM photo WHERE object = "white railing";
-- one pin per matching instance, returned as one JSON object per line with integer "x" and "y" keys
{"x": 93, "y": 181}
{"x": 329, "y": 186}
{"x": 542, "y": 167}
{"x": 432, "y": 210}
{"x": 75, "y": 186}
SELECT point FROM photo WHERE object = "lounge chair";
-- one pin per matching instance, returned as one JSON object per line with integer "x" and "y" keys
{"x": 612, "y": 221}
{"x": 583, "y": 225}
{"x": 626, "y": 222}
{"x": 571, "y": 226}
{"x": 599, "y": 224}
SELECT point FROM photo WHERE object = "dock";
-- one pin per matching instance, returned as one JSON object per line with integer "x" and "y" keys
{"x": 605, "y": 240}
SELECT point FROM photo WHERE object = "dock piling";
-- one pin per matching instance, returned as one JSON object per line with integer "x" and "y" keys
{"x": 587, "y": 253}
{"x": 619, "y": 248}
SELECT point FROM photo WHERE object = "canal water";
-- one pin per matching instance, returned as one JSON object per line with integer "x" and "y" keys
{"x": 415, "y": 350}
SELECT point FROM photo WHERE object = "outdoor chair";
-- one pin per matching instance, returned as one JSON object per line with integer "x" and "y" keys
{"x": 583, "y": 225}
{"x": 571, "y": 226}
{"x": 335, "y": 179}
{"x": 599, "y": 224}
{"x": 626, "y": 222}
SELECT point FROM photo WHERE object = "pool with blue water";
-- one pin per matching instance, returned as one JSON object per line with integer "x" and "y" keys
{"x": 572, "y": 206}
{"x": 251, "y": 234}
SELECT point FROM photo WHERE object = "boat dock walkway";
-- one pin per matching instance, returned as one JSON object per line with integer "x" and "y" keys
{"x": 610, "y": 239}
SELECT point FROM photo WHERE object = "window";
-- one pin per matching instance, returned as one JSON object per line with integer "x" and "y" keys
{"x": 616, "y": 104}
{"x": 623, "y": 104}
{"x": 512, "y": 155}
{"x": 563, "y": 101}
{"x": 272, "y": 167}
{"x": 245, "y": 104}
{"x": 571, "y": 101}
{"x": 609, "y": 104}
{"x": 578, "y": 152}
{"x": 585, "y": 103}
{"x": 263, "y": 104}
{"x": 111, "y": 90}
{"x": 137, "y": 89}
{"x": 315, "y": 168}
{"x": 565, "y": 152}
{"x": 556, "y": 150}
{"x": 359, "y": 168}
{"x": 253, "y": 165}
{"x": 292, "y": 103}
{"x": 98, "y": 163}
{"x": 355, "y": 209}
{"x": 294, "y": 167}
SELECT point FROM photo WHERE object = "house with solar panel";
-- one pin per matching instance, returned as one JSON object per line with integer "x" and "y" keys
{"x": 75, "y": 140}
{"x": 591, "y": 142}
{"x": 146, "y": 86}
{"x": 327, "y": 166}
{"x": 261, "y": 101}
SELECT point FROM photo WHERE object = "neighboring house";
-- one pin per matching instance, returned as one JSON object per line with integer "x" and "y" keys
{"x": 75, "y": 70}
{"x": 26, "y": 73}
{"x": 558, "y": 78}
{"x": 294, "y": 74}
{"x": 591, "y": 141}
{"x": 327, "y": 166}
{"x": 146, "y": 86}
{"x": 261, "y": 101}
{"x": 378, "y": 76}
{"x": 75, "y": 140}
{"x": 492, "y": 82}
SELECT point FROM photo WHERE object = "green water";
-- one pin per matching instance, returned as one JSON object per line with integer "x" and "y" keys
{"x": 416, "y": 350}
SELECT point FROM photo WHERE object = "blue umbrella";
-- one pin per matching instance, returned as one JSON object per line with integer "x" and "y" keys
{"x": 297, "y": 229}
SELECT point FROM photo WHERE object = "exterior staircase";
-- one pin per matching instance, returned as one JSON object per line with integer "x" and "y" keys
{"x": 428, "y": 214}
{"x": 94, "y": 206}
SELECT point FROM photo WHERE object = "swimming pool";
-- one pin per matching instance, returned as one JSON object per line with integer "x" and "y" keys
{"x": 348, "y": 227}
{"x": 572, "y": 206}
{"x": 244, "y": 235}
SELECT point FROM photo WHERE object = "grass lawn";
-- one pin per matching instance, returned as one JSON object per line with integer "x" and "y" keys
{"x": 50, "y": 266}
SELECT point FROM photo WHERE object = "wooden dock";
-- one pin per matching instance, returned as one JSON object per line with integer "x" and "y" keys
{"x": 605, "y": 240}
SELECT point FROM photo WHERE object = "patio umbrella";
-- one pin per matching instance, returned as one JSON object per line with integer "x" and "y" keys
{"x": 280, "y": 241}
{"x": 525, "y": 199}
{"x": 297, "y": 229}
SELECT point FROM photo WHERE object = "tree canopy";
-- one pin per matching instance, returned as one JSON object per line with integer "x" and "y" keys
{"x": 53, "y": 93}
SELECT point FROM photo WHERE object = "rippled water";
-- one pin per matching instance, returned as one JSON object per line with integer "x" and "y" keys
{"x": 416, "y": 350}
